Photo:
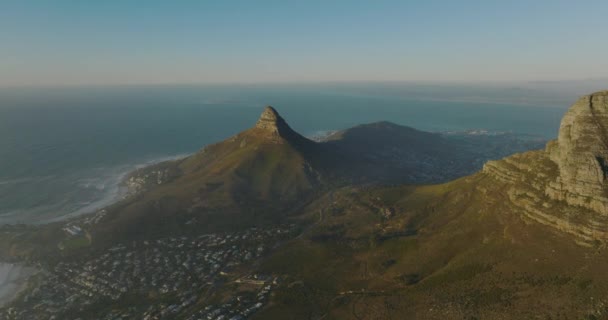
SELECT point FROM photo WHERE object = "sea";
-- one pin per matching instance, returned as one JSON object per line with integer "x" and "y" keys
{"x": 64, "y": 151}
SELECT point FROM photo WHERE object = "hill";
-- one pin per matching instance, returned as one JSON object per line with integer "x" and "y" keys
{"x": 270, "y": 224}
{"x": 269, "y": 172}
{"x": 522, "y": 239}
{"x": 388, "y": 153}
{"x": 256, "y": 176}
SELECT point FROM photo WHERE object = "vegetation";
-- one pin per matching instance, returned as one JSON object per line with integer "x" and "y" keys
{"x": 457, "y": 250}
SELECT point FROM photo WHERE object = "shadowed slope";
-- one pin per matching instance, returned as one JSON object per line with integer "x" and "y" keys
{"x": 384, "y": 152}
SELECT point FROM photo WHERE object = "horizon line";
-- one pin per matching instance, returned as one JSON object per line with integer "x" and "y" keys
{"x": 295, "y": 82}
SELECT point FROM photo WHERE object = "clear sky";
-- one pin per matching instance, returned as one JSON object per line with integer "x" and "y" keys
{"x": 61, "y": 42}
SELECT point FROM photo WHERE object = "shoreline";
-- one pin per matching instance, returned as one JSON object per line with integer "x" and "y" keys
{"x": 115, "y": 192}
{"x": 14, "y": 279}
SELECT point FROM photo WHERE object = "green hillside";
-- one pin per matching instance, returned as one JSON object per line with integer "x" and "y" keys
{"x": 452, "y": 251}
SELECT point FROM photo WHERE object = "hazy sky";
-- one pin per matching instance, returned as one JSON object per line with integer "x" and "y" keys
{"x": 60, "y": 42}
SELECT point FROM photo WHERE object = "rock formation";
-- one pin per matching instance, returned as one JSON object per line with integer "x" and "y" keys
{"x": 581, "y": 153}
{"x": 273, "y": 126}
{"x": 270, "y": 120}
{"x": 565, "y": 185}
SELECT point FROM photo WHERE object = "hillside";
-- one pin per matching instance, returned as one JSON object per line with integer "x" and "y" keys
{"x": 264, "y": 175}
{"x": 459, "y": 250}
{"x": 523, "y": 239}
{"x": 256, "y": 176}
{"x": 388, "y": 153}
{"x": 271, "y": 225}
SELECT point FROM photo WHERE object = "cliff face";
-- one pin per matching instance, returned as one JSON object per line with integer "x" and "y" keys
{"x": 581, "y": 153}
{"x": 565, "y": 186}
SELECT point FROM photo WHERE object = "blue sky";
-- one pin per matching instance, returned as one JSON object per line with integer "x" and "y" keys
{"x": 63, "y": 42}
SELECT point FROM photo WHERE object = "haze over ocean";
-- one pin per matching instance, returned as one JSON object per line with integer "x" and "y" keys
{"x": 64, "y": 150}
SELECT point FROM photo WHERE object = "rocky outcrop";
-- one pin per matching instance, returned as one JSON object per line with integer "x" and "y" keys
{"x": 581, "y": 153}
{"x": 565, "y": 186}
{"x": 275, "y": 129}
{"x": 271, "y": 120}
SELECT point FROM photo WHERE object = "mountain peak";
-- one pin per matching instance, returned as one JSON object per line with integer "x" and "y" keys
{"x": 270, "y": 120}
{"x": 273, "y": 126}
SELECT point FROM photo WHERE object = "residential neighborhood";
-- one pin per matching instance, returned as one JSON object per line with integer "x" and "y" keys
{"x": 155, "y": 279}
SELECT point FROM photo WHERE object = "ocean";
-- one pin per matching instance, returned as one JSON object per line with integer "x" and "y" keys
{"x": 63, "y": 151}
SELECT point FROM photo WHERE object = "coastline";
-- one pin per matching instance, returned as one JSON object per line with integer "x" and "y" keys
{"x": 117, "y": 190}
{"x": 113, "y": 191}
{"x": 14, "y": 279}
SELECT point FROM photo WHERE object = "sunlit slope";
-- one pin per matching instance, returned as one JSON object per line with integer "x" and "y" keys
{"x": 453, "y": 251}
{"x": 525, "y": 238}
{"x": 257, "y": 174}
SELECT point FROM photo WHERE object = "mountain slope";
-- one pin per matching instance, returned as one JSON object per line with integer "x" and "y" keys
{"x": 257, "y": 175}
{"x": 389, "y": 153}
{"x": 459, "y": 250}
{"x": 499, "y": 244}
{"x": 269, "y": 161}
{"x": 269, "y": 172}
{"x": 266, "y": 223}
{"x": 385, "y": 152}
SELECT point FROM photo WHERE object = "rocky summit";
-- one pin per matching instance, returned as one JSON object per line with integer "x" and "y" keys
{"x": 270, "y": 120}
{"x": 275, "y": 128}
{"x": 565, "y": 185}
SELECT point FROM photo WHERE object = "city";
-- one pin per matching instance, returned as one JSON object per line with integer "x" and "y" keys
{"x": 159, "y": 279}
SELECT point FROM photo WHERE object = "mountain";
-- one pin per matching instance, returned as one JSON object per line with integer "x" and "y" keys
{"x": 268, "y": 224}
{"x": 255, "y": 176}
{"x": 522, "y": 239}
{"x": 265, "y": 174}
{"x": 385, "y": 152}
{"x": 565, "y": 185}
{"x": 390, "y": 153}
{"x": 269, "y": 173}
{"x": 269, "y": 161}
